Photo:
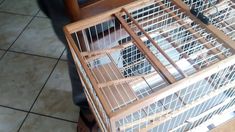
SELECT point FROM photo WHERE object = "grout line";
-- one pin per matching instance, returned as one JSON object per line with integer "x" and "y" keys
{"x": 25, "y": 111}
{"x": 40, "y": 91}
{"x": 8, "y": 49}
{"x": 13, "y": 108}
{"x": 13, "y": 13}
{"x": 45, "y": 115}
{"x": 19, "y": 52}
{"x": 20, "y": 34}
{"x": 58, "y": 59}
{"x": 53, "y": 117}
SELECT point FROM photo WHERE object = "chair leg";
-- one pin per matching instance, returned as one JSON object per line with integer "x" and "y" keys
{"x": 73, "y": 9}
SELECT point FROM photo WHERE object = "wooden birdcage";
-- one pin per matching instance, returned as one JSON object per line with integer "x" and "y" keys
{"x": 153, "y": 65}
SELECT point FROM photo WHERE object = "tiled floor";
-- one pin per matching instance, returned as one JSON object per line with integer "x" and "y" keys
{"x": 31, "y": 39}
{"x": 1, "y": 53}
{"x": 35, "y": 90}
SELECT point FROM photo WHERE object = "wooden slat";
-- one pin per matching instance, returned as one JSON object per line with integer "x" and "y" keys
{"x": 107, "y": 15}
{"x": 93, "y": 107}
{"x": 103, "y": 6}
{"x": 184, "y": 55}
{"x": 158, "y": 66}
{"x": 73, "y": 46}
{"x": 99, "y": 53}
{"x": 89, "y": 98}
{"x": 74, "y": 49}
{"x": 222, "y": 38}
{"x": 119, "y": 81}
{"x": 118, "y": 70}
{"x": 175, "y": 45}
{"x": 100, "y": 73}
{"x": 149, "y": 118}
{"x": 214, "y": 108}
{"x": 154, "y": 43}
{"x": 188, "y": 106}
{"x": 173, "y": 88}
{"x": 116, "y": 93}
{"x": 192, "y": 31}
{"x": 104, "y": 51}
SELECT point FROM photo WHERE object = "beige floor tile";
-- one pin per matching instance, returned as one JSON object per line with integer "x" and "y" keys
{"x": 56, "y": 98}
{"x": 26, "y": 7}
{"x": 10, "y": 28}
{"x": 1, "y": 53}
{"x": 41, "y": 14}
{"x": 39, "y": 38}
{"x": 22, "y": 77}
{"x": 35, "y": 123}
{"x": 10, "y": 120}
{"x": 64, "y": 56}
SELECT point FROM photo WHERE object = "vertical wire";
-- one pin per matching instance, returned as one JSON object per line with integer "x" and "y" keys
{"x": 91, "y": 37}
{"x": 96, "y": 33}
{"x": 79, "y": 45}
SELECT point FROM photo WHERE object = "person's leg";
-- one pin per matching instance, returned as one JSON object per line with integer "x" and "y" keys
{"x": 79, "y": 97}
{"x": 55, "y": 10}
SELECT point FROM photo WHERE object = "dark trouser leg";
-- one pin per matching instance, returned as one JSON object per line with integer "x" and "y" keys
{"x": 55, "y": 10}
{"x": 79, "y": 97}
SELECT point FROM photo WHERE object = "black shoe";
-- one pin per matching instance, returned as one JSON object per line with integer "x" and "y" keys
{"x": 87, "y": 123}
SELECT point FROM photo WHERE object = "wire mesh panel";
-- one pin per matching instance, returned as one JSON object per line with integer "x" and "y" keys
{"x": 220, "y": 13}
{"x": 149, "y": 66}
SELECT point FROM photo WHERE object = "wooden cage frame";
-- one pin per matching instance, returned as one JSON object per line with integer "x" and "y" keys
{"x": 175, "y": 85}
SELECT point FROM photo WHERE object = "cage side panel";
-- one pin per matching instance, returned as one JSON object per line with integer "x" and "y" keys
{"x": 223, "y": 38}
{"x": 219, "y": 13}
{"x": 90, "y": 89}
{"x": 193, "y": 95}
